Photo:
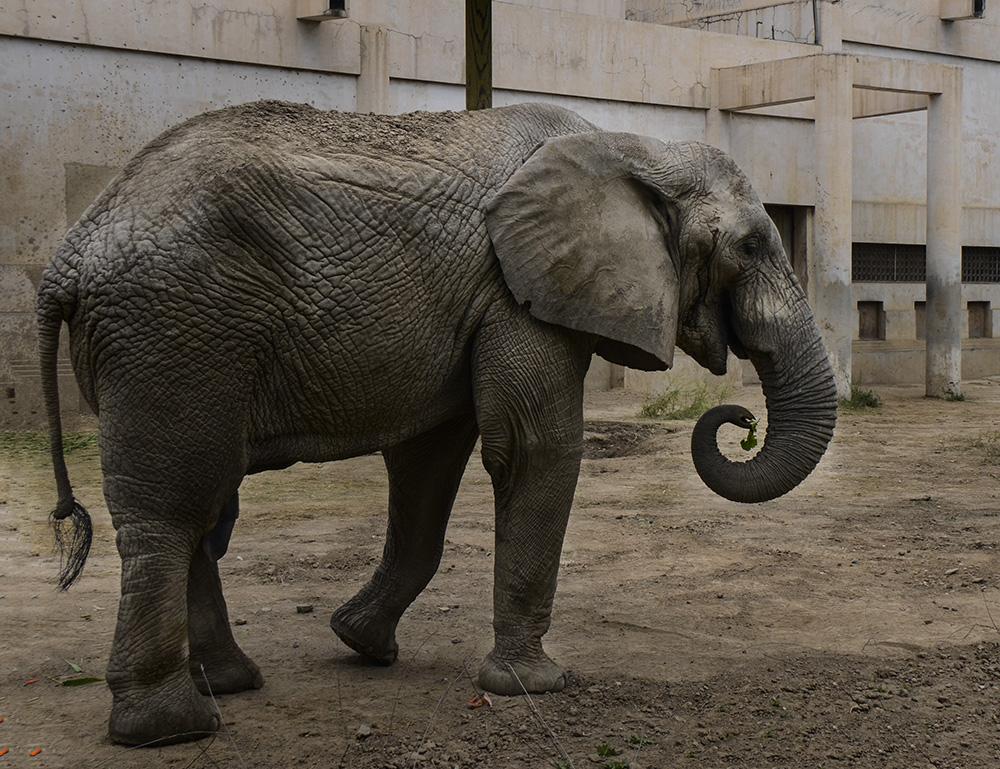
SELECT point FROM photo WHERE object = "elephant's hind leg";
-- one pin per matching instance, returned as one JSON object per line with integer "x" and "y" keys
{"x": 213, "y": 652}
{"x": 424, "y": 475}
{"x": 153, "y": 695}
{"x": 528, "y": 380}
{"x": 164, "y": 489}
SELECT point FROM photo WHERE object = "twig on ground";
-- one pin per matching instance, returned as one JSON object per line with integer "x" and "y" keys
{"x": 990, "y": 614}
{"x": 534, "y": 710}
{"x": 200, "y": 753}
{"x": 430, "y": 721}
{"x": 158, "y": 740}
{"x": 222, "y": 721}
{"x": 402, "y": 680}
{"x": 343, "y": 724}
{"x": 495, "y": 713}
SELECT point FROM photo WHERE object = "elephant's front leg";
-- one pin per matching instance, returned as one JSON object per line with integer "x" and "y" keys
{"x": 529, "y": 392}
{"x": 424, "y": 475}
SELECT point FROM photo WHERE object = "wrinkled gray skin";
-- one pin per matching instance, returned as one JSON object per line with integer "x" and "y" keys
{"x": 271, "y": 284}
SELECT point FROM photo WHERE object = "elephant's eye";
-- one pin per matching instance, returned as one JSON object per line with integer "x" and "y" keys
{"x": 750, "y": 246}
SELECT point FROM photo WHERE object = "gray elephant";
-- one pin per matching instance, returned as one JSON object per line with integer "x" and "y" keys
{"x": 271, "y": 284}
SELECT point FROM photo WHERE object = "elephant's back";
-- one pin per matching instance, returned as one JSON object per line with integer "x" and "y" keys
{"x": 216, "y": 165}
{"x": 484, "y": 138}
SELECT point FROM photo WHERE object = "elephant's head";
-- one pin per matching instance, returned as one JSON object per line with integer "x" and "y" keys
{"x": 646, "y": 244}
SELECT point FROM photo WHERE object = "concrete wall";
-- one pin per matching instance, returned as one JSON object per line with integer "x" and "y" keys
{"x": 791, "y": 20}
{"x": 84, "y": 85}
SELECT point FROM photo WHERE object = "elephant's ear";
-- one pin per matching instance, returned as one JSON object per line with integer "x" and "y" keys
{"x": 582, "y": 233}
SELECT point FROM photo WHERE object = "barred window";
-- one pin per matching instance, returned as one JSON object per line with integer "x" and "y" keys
{"x": 907, "y": 263}
{"x": 981, "y": 264}
{"x": 889, "y": 263}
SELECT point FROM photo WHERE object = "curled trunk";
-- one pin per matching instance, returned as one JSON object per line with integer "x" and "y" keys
{"x": 801, "y": 402}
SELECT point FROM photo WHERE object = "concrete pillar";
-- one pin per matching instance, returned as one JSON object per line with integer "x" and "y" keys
{"x": 830, "y": 32}
{"x": 830, "y": 266}
{"x": 717, "y": 121}
{"x": 944, "y": 240}
{"x": 373, "y": 82}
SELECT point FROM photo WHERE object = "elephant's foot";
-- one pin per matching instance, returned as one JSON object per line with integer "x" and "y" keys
{"x": 161, "y": 715}
{"x": 511, "y": 676}
{"x": 228, "y": 671}
{"x": 370, "y": 635}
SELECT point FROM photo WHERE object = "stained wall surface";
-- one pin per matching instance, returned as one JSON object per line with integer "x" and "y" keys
{"x": 85, "y": 85}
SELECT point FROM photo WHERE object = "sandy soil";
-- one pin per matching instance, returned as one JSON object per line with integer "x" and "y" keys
{"x": 848, "y": 624}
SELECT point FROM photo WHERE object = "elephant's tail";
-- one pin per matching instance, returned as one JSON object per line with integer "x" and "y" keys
{"x": 73, "y": 546}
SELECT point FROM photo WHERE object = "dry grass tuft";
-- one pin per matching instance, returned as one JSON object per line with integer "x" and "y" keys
{"x": 684, "y": 402}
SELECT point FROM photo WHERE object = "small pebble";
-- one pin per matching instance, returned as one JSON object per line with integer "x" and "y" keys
{"x": 240, "y": 621}
{"x": 304, "y": 608}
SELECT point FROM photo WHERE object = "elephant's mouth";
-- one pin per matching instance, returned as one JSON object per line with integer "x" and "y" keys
{"x": 710, "y": 346}
{"x": 729, "y": 330}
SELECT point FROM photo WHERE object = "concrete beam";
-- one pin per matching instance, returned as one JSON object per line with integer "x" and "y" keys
{"x": 905, "y": 75}
{"x": 868, "y": 103}
{"x": 766, "y": 83}
{"x": 944, "y": 240}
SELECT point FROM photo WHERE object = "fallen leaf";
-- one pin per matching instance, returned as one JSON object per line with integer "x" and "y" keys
{"x": 479, "y": 701}
{"x": 74, "y": 667}
{"x": 81, "y": 681}
{"x": 35, "y": 752}
{"x": 4, "y": 751}
{"x": 31, "y": 681}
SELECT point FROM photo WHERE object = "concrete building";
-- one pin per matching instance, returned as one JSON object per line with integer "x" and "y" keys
{"x": 871, "y": 133}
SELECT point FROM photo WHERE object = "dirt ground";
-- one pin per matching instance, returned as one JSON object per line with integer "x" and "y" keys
{"x": 851, "y": 623}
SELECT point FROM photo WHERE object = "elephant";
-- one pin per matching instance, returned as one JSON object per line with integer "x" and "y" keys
{"x": 271, "y": 283}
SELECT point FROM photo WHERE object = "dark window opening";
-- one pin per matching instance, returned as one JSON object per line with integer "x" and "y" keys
{"x": 920, "y": 314}
{"x": 871, "y": 320}
{"x": 980, "y": 320}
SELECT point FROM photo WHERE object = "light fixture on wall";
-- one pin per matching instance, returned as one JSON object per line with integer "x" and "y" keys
{"x": 322, "y": 10}
{"x": 957, "y": 10}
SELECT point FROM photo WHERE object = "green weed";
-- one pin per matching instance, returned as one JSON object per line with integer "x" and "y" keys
{"x": 989, "y": 444}
{"x": 954, "y": 396}
{"x": 29, "y": 443}
{"x": 684, "y": 402}
{"x": 861, "y": 400}
{"x": 604, "y": 750}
